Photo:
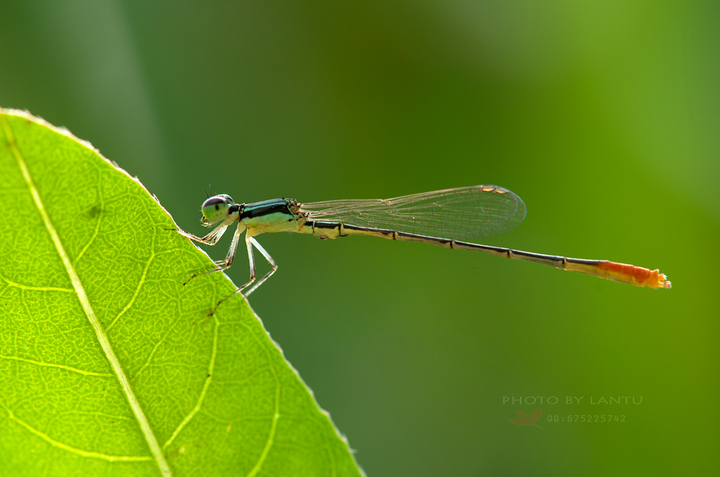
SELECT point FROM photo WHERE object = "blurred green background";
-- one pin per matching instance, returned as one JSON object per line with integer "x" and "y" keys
{"x": 602, "y": 115}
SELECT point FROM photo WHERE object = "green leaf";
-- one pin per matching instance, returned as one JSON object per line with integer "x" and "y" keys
{"x": 108, "y": 364}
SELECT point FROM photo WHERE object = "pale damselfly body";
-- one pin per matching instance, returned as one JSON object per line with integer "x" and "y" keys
{"x": 451, "y": 218}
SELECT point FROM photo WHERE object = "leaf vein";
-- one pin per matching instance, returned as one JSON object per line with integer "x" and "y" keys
{"x": 92, "y": 239}
{"x": 203, "y": 393}
{"x": 75, "y": 450}
{"x": 139, "y": 286}
{"x": 55, "y": 365}
{"x": 28, "y": 287}
{"x": 276, "y": 413}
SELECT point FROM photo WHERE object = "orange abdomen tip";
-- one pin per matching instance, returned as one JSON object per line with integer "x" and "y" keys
{"x": 638, "y": 276}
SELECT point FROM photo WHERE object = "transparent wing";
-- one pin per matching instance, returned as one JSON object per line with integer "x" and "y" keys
{"x": 464, "y": 213}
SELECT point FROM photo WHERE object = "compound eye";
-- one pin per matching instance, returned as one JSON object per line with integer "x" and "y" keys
{"x": 215, "y": 208}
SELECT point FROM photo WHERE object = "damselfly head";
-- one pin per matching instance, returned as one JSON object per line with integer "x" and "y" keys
{"x": 215, "y": 208}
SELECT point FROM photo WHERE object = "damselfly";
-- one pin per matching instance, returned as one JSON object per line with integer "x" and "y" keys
{"x": 450, "y": 218}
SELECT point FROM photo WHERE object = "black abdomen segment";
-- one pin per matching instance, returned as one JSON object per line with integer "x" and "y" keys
{"x": 334, "y": 230}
